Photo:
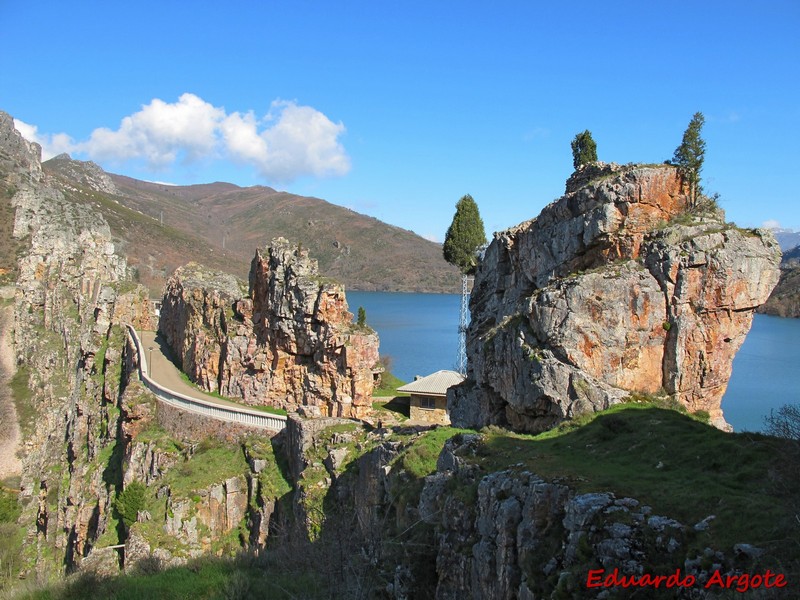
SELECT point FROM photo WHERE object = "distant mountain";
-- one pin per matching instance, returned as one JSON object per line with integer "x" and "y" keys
{"x": 785, "y": 298}
{"x": 787, "y": 239}
{"x": 791, "y": 257}
{"x": 160, "y": 227}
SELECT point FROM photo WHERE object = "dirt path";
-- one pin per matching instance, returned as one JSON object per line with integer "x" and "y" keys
{"x": 9, "y": 425}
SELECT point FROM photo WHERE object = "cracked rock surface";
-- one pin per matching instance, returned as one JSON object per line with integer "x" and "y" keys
{"x": 622, "y": 285}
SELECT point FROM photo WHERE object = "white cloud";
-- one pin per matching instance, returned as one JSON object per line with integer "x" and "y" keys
{"x": 771, "y": 224}
{"x": 537, "y": 133}
{"x": 160, "y": 133}
{"x": 732, "y": 116}
{"x": 240, "y": 133}
{"x": 52, "y": 145}
{"x": 303, "y": 140}
{"x": 432, "y": 237}
{"x": 291, "y": 141}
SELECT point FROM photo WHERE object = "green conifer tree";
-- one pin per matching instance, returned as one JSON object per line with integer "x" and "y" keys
{"x": 362, "y": 317}
{"x": 464, "y": 236}
{"x": 584, "y": 149}
{"x": 690, "y": 154}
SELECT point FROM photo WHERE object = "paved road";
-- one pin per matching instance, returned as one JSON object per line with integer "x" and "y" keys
{"x": 165, "y": 373}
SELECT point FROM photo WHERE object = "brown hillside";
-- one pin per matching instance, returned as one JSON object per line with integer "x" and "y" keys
{"x": 221, "y": 225}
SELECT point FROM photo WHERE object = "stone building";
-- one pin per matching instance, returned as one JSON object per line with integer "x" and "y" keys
{"x": 429, "y": 396}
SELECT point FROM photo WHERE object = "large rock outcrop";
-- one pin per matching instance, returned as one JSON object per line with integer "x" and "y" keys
{"x": 619, "y": 286}
{"x": 290, "y": 342}
{"x": 71, "y": 298}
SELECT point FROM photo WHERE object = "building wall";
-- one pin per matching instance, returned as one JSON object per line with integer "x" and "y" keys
{"x": 436, "y": 415}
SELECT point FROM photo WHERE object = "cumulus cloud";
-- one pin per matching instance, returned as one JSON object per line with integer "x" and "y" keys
{"x": 290, "y": 141}
{"x": 771, "y": 224}
{"x": 52, "y": 145}
{"x": 160, "y": 133}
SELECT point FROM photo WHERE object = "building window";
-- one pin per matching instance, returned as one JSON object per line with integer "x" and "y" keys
{"x": 427, "y": 402}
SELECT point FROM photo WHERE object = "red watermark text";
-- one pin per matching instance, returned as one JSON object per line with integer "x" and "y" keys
{"x": 600, "y": 578}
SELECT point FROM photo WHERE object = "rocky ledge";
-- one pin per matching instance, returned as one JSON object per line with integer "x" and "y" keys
{"x": 622, "y": 286}
{"x": 289, "y": 342}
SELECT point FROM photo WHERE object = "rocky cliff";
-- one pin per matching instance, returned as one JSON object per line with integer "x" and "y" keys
{"x": 618, "y": 287}
{"x": 71, "y": 297}
{"x": 290, "y": 342}
{"x": 376, "y": 514}
{"x": 785, "y": 298}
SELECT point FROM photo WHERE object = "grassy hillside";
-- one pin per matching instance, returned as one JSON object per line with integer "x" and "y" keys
{"x": 221, "y": 225}
{"x": 676, "y": 464}
{"x": 679, "y": 466}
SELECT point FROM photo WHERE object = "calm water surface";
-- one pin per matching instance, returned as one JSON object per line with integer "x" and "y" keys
{"x": 766, "y": 373}
{"x": 420, "y": 333}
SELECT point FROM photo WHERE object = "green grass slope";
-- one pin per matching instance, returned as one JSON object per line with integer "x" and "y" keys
{"x": 681, "y": 467}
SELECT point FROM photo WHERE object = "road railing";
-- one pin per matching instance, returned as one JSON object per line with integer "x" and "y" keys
{"x": 232, "y": 414}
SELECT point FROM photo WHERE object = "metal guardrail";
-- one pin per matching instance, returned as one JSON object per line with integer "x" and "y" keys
{"x": 231, "y": 414}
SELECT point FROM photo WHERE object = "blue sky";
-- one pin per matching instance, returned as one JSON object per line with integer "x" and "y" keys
{"x": 397, "y": 109}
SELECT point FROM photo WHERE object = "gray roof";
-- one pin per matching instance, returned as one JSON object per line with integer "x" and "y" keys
{"x": 435, "y": 384}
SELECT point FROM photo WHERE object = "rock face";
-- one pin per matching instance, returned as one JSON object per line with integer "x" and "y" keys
{"x": 86, "y": 173}
{"x": 71, "y": 297}
{"x": 291, "y": 342}
{"x": 617, "y": 287}
{"x": 521, "y": 536}
{"x": 785, "y": 298}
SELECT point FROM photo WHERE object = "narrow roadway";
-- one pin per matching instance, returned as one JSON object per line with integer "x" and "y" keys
{"x": 166, "y": 374}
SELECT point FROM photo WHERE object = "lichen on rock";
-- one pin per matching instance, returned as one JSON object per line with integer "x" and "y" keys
{"x": 621, "y": 286}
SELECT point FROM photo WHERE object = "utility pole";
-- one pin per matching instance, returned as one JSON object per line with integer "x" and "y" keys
{"x": 462, "y": 328}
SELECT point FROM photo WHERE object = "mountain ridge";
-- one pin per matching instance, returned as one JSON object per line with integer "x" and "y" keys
{"x": 221, "y": 224}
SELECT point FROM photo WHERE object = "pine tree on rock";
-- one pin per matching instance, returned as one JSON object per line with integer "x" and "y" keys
{"x": 464, "y": 236}
{"x": 584, "y": 149}
{"x": 690, "y": 154}
{"x": 362, "y": 317}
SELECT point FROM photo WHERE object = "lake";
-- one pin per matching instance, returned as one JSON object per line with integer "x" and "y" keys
{"x": 420, "y": 333}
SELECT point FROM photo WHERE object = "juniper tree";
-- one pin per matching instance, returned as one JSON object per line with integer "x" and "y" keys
{"x": 461, "y": 243}
{"x": 362, "y": 317}
{"x": 584, "y": 149}
{"x": 690, "y": 154}
{"x": 464, "y": 236}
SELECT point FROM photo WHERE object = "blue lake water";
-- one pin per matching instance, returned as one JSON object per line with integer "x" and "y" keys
{"x": 766, "y": 373}
{"x": 420, "y": 333}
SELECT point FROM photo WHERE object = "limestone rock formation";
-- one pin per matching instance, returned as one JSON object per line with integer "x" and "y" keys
{"x": 290, "y": 342}
{"x": 619, "y": 286}
{"x": 86, "y": 173}
{"x": 71, "y": 296}
{"x": 524, "y": 537}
